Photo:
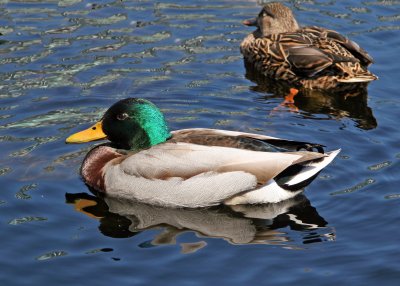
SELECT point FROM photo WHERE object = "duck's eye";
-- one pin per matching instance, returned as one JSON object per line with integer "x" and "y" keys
{"x": 122, "y": 116}
{"x": 266, "y": 14}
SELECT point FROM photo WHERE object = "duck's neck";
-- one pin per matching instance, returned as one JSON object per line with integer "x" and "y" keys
{"x": 148, "y": 136}
{"x": 152, "y": 129}
{"x": 288, "y": 26}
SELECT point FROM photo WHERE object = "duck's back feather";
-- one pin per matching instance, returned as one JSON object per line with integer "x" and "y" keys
{"x": 348, "y": 44}
{"x": 241, "y": 140}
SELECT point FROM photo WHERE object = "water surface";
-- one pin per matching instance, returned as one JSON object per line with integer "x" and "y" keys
{"x": 62, "y": 63}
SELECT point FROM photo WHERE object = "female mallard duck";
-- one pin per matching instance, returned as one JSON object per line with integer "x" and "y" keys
{"x": 192, "y": 167}
{"x": 308, "y": 57}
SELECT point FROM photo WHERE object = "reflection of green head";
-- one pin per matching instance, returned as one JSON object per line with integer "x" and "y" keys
{"x": 135, "y": 124}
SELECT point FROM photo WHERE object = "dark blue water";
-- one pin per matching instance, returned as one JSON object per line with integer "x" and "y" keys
{"x": 62, "y": 63}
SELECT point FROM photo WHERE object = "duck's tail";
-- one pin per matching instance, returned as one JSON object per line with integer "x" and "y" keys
{"x": 354, "y": 73}
{"x": 359, "y": 78}
{"x": 286, "y": 185}
{"x": 307, "y": 172}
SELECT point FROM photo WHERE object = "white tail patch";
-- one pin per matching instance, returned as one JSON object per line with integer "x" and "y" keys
{"x": 269, "y": 193}
{"x": 313, "y": 168}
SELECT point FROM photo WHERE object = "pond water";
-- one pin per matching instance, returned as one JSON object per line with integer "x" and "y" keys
{"x": 62, "y": 63}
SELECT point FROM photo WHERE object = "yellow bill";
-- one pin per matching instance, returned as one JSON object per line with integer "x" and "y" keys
{"x": 94, "y": 132}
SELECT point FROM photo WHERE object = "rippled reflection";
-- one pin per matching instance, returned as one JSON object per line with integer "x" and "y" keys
{"x": 273, "y": 224}
{"x": 336, "y": 104}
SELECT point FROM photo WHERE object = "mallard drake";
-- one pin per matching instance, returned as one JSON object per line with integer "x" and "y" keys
{"x": 192, "y": 167}
{"x": 306, "y": 57}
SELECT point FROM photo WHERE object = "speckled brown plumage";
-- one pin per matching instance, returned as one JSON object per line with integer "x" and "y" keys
{"x": 309, "y": 57}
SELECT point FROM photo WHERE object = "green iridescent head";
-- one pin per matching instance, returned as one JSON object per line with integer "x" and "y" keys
{"x": 131, "y": 124}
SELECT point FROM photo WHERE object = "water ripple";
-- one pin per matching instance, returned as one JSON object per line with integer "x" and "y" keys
{"x": 392, "y": 196}
{"x": 355, "y": 188}
{"x": 379, "y": 166}
{"x": 26, "y": 219}
{"x": 51, "y": 255}
{"x": 5, "y": 170}
{"x": 22, "y": 193}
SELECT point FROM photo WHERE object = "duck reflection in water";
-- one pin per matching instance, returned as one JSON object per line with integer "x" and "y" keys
{"x": 335, "y": 103}
{"x": 271, "y": 224}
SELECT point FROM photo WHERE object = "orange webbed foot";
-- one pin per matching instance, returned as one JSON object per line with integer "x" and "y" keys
{"x": 288, "y": 101}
